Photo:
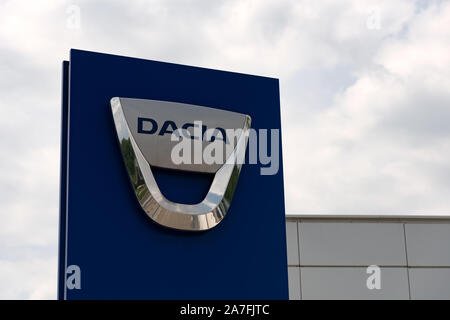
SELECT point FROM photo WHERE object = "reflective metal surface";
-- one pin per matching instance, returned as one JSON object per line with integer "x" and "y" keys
{"x": 151, "y": 123}
{"x": 202, "y": 216}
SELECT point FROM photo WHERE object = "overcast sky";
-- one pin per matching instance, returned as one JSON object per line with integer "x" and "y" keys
{"x": 365, "y": 97}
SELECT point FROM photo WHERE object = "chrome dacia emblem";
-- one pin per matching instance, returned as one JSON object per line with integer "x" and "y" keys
{"x": 144, "y": 129}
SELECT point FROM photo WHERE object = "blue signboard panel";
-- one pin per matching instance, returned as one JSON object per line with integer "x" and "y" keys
{"x": 122, "y": 253}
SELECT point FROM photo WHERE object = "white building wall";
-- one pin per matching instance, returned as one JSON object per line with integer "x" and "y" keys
{"x": 328, "y": 257}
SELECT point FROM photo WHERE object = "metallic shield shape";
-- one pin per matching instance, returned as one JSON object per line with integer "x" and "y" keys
{"x": 141, "y": 152}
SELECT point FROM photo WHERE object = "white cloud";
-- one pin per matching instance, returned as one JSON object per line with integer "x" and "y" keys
{"x": 364, "y": 110}
{"x": 28, "y": 277}
{"x": 382, "y": 145}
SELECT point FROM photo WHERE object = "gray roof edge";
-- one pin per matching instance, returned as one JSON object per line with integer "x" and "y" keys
{"x": 405, "y": 217}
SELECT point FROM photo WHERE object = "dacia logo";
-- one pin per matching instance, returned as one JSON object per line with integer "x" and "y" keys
{"x": 145, "y": 130}
{"x": 150, "y": 126}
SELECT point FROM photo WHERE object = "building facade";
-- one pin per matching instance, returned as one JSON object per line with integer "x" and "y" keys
{"x": 368, "y": 257}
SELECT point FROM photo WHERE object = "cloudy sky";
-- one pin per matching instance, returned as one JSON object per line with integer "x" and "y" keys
{"x": 365, "y": 96}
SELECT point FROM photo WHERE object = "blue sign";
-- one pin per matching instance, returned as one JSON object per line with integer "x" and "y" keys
{"x": 110, "y": 248}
